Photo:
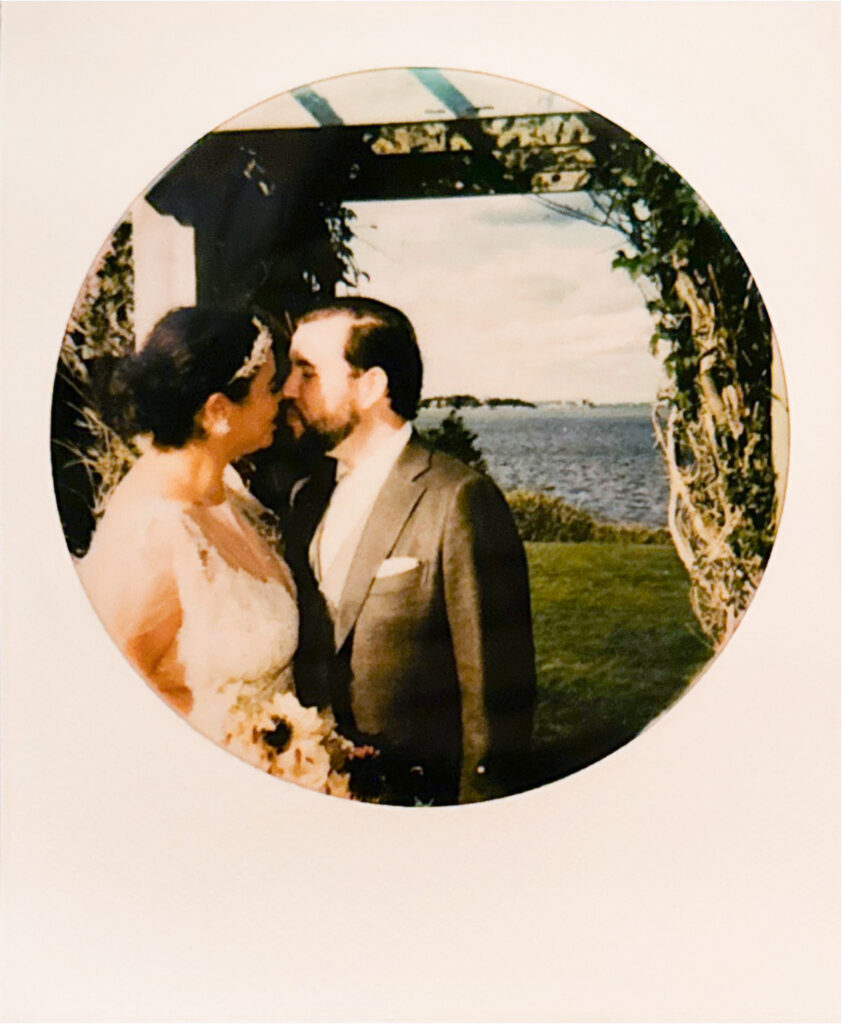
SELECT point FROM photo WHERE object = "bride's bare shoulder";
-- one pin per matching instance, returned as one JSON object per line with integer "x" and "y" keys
{"x": 138, "y": 502}
{"x": 143, "y": 483}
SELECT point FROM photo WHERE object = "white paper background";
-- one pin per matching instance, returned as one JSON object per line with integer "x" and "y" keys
{"x": 691, "y": 876}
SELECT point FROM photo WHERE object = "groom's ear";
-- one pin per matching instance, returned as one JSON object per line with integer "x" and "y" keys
{"x": 372, "y": 386}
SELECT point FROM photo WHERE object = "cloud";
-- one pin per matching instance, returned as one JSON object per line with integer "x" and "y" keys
{"x": 506, "y": 299}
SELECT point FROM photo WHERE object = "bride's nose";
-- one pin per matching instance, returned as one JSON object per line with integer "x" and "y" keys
{"x": 289, "y": 388}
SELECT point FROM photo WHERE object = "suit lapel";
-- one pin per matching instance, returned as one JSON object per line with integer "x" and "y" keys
{"x": 395, "y": 502}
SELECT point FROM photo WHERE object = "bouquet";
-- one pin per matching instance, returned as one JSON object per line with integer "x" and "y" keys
{"x": 282, "y": 737}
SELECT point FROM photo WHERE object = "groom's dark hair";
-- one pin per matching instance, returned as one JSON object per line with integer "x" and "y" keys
{"x": 380, "y": 335}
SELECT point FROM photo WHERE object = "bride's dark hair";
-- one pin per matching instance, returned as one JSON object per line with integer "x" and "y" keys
{"x": 189, "y": 355}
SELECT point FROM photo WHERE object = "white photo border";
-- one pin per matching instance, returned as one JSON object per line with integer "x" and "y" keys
{"x": 693, "y": 874}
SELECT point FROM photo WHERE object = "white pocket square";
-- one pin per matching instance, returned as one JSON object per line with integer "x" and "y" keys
{"x": 394, "y": 566}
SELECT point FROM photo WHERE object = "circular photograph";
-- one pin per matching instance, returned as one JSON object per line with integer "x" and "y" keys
{"x": 419, "y": 436}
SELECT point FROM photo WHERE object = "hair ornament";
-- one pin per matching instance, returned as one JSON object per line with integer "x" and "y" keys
{"x": 259, "y": 352}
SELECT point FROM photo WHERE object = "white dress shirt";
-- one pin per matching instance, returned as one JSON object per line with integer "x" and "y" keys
{"x": 338, "y": 535}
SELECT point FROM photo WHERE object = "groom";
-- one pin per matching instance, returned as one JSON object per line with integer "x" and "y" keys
{"x": 413, "y": 588}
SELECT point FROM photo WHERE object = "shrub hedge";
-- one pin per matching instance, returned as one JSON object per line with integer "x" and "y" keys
{"x": 543, "y": 517}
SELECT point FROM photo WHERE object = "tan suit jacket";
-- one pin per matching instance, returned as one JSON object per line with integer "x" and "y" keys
{"x": 442, "y": 671}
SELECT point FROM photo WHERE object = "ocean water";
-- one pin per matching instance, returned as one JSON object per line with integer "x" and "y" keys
{"x": 603, "y": 459}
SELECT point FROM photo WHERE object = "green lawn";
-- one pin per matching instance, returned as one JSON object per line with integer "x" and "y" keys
{"x": 616, "y": 642}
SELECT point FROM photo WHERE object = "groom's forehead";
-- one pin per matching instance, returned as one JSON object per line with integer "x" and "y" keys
{"x": 321, "y": 340}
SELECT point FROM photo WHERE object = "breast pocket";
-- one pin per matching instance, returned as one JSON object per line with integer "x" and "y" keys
{"x": 400, "y": 582}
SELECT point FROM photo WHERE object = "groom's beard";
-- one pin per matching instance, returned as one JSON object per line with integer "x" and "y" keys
{"x": 336, "y": 435}
{"x": 312, "y": 443}
{"x": 331, "y": 432}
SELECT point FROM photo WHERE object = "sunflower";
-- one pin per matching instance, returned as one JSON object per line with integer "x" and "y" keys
{"x": 282, "y": 737}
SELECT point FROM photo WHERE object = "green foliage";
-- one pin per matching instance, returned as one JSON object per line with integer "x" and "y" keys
{"x": 454, "y": 438}
{"x": 102, "y": 320}
{"x": 89, "y": 457}
{"x": 105, "y": 458}
{"x": 544, "y": 517}
{"x": 338, "y": 218}
{"x": 629, "y": 533}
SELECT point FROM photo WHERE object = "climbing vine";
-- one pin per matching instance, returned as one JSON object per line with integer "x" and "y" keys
{"x": 713, "y": 419}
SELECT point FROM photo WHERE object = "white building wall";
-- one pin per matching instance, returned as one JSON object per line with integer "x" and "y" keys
{"x": 164, "y": 266}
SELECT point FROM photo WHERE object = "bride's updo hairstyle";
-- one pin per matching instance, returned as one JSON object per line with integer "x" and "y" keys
{"x": 189, "y": 355}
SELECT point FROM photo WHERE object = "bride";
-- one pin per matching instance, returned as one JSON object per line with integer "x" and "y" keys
{"x": 198, "y": 601}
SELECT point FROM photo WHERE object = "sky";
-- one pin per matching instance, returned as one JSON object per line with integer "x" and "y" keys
{"x": 509, "y": 298}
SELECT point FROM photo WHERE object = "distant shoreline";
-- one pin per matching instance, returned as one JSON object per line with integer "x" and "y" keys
{"x": 471, "y": 402}
{"x": 437, "y": 404}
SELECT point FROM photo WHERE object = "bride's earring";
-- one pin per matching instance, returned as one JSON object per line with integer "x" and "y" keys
{"x": 214, "y": 417}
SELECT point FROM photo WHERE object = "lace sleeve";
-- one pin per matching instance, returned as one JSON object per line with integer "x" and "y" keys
{"x": 129, "y": 571}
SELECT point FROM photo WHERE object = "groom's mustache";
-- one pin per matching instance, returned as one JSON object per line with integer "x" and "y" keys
{"x": 307, "y": 442}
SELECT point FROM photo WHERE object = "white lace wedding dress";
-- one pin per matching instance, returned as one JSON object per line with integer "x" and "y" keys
{"x": 153, "y": 558}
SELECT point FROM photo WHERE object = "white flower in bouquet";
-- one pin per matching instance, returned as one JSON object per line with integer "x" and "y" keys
{"x": 282, "y": 737}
